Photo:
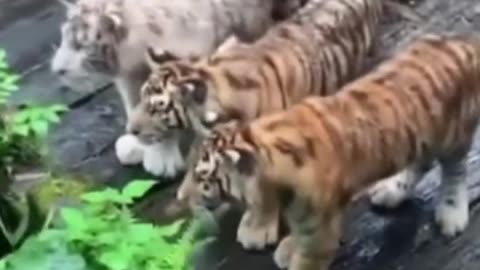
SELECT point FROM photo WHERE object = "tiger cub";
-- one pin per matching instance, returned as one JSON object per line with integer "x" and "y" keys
{"x": 320, "y": 48}
{"x": 421, "y": 105}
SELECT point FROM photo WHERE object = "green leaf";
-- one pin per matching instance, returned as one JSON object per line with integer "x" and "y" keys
{"x": 52, "y": 116}
{"x": 143, "y": 233}
{"x": 107, "y": 195}
{"x": 22, "y": 116}
{"x": 5, "y": 94}
{"x": 21, "y": 129}
{"x": 108, "y": 238}
{"x": 40, "y": 128}
{"x": 8, "y": 86}
{"x": 114, "y": 261}
{"x": 35, "y": 113}
{"x": 137, "y": 188}
{"x": 58, "y": 108}
{"x": 11, "y": 79}
{"x": 73, "y": 218}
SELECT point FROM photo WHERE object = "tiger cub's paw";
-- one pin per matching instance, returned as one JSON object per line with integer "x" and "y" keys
{"x": 258, "y": 236}
{"x": 129, "y": 150}
{"x": 391, "y": 192}
{"x": 163, "y": 160}
{"x": 283, "y": 253}
{"x": 452, "y": 214}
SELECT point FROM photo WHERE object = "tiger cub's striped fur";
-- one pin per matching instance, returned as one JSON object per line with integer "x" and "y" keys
{"x": 313, "y": 53}
{"x": 419, "y": 106}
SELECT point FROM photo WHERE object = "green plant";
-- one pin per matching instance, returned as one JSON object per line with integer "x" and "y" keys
{"x": 103, "y": 234}
{"x": 22, "y": 131}
{"x": 35, "y": 120}
{"x": 8, "y": 80}
{"x": 106, "y": 232}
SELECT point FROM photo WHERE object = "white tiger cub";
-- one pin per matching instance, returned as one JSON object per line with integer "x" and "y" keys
{"x": 108, "y": 39}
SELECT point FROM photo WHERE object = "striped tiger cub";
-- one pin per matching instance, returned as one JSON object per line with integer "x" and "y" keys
{"x": 420, "y": 106}
{"x": 315, "y": 52}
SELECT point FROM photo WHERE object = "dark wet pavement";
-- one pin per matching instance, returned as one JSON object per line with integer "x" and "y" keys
{"x": 83, "y": 143}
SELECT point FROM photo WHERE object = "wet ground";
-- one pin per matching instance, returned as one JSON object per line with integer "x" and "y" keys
{"x": 83, "y": 144}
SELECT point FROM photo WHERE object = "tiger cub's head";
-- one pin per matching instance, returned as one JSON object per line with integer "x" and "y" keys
{"x": 89, "y": 39}
{"x": 221, "y": 171}
{"x": 158, "y": 114}
{"x": 179, "y": 94}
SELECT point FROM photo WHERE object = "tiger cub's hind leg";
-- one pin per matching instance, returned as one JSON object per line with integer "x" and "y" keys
{"x": 259, "y": 226}
{"x": 451, "y": 212}
{"x": 316, "y": 234}
{"x": 394, "y": 190}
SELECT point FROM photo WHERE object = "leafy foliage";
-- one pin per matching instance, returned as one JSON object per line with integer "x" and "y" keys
{"x": 104, "y": 235}
{"x": 21, "y": 133}
{"x": 21, "y": 130}
{"x": 48, "y": 251}
{"x": 35, "y": 120}
{"x": 8, "y": 81}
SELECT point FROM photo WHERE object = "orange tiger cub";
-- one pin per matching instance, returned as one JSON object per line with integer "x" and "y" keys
{"x": 316, "y": 51}
{"x": 421, "y": 105}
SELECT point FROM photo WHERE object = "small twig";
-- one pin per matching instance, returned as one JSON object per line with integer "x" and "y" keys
{"x": 220, "y": 263}
{"x": 6, "y": 233}
{"x": 24, "y": 219}
{"x": 51, "y": 213}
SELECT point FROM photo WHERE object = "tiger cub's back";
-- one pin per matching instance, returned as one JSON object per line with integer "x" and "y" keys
{"x": 316, "y": 51}
{"x": 424, "y": 102}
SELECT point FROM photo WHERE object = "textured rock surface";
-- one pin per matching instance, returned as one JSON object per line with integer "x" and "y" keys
{"x": 82, "y": 143}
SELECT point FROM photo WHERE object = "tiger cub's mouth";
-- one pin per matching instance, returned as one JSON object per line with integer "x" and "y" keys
{"x": 152, "y": 138}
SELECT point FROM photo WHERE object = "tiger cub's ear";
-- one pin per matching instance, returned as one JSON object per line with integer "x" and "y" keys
{"x": 70, "y": 7}
{"x": 243, "y": 161}
{"x": 113, "y": 23}
{"x": 157, "y": 57}
{"x": 228, "y": 43}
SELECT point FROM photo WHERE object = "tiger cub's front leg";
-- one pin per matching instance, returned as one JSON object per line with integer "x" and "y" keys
{"x": 315, "y": 232}
{"x": 128, "y": 149}
{"x": 284, "y": 252}
{"x": 164, "y": 159}
{"x": 259, "y": 226}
